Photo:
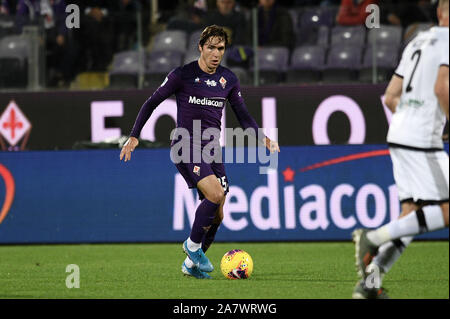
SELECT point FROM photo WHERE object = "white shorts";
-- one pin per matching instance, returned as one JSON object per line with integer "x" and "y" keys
{"x": 421, "y": 177}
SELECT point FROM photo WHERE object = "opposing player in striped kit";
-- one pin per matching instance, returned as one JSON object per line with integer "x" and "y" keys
{"x": 418, "y": 95}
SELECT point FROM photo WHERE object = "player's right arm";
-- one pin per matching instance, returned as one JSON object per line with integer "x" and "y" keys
{"x": 441, "y": 88}
{"x": 170, "y": 85}
{"x": 395, "y": 87}
{"x": 393, "y": 92}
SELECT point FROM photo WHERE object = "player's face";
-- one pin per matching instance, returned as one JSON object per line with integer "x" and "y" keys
{"x": 212, "y": 53}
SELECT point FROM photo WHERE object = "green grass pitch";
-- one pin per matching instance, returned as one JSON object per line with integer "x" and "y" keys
{"x": 294, "y": 270}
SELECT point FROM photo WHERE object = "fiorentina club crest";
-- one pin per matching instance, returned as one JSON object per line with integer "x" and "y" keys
{"x": 223, "y": 82}
{"x": 14, "y": 126}
{"x": 196, "y": 170}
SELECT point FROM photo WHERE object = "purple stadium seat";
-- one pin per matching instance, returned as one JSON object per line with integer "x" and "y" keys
{"x": 273, "y": 58}
{"x": 243, "y": 75}
{"x": 14, "y": 53}
{"x": 354, "y": 36}
{"x": 313, "y": 36}
{"x": 125, "y": 69}
{"x": 191, "y": 55}
{"x": 306, "y": 64}
{"x": 163, "y": 61}
{"x": 386, "y": 57}
{"x": 343, "y": 56}
{"x": 386, "y": 62}
{"x": 193, "y": 40}
{"x": 14, "y": 46}
{"x": 308, "y": 57}
{"x": 323, "y": 36}
{"x": 127, "y": 62}
{"x": 159, "y": 64}
{"x": 272, "y": 63}
{"x": 342, "y": 64}
{"x": 314, "y": 17}
{"x": 170, "y": 40}
{"x": 314, "y": 25}
{"x": 386, "y": 35}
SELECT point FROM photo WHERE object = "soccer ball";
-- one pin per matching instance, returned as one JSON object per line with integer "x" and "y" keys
{"x": 236, "y": 264}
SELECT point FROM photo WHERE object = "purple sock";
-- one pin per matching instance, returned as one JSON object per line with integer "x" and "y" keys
{"x": 204, "y": 217}
{"x": 209, "y": 237}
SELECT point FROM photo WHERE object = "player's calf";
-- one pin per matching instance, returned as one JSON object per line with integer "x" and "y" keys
{"x": 211, "y": 233}
{"x": 209, "y": 236}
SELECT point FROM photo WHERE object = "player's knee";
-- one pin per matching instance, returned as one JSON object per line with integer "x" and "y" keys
{"x": 217, "y": 196}
{"x": 408, "y": 207}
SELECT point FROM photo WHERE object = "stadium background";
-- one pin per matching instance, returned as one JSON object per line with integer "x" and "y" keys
{"x": 62, "y": 181}
{"x": 318, "y": 91}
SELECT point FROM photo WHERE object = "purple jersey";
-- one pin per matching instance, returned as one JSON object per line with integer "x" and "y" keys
{"x": 200, "y": 96}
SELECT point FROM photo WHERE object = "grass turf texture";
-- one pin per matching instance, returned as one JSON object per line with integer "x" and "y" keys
{"x": 282, "y": 270}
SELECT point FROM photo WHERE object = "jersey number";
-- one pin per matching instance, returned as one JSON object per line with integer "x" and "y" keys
{"x": 418, "y": 53}
{"x": 223, "y": 182}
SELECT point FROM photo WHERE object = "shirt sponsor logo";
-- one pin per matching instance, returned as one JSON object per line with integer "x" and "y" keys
{"x": 205, "y": 101}
{"x": 211, "y": 83}
{"x": 415, "y": 103}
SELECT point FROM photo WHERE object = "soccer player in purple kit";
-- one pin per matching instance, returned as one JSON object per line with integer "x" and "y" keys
{"x": 201, "y": 88}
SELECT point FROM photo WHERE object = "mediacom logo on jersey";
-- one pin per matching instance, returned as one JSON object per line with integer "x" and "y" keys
{"x": 205, "y": 101}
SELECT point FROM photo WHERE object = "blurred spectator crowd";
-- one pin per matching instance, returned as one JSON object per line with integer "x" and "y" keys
{"x": 106, "y": 27}
{"x": 299, "y": 41}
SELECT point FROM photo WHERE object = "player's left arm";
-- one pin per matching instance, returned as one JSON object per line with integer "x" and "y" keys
{"x": 246, "y": 120}
{"x": 441, "y": 88}
{"x": 393, "y": 92}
